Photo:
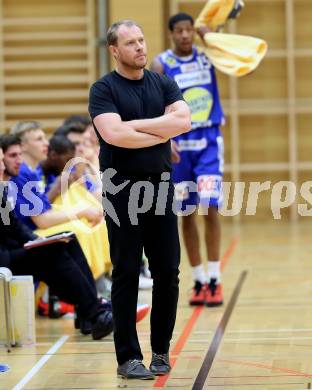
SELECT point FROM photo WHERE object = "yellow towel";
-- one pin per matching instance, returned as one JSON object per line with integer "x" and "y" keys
{"x": 216, "y": 12}
{"x": 234, "y": 55}
{"x": 93, "y": 240}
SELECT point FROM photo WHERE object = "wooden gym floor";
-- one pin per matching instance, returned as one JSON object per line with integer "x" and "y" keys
{"x": 260, "y": 339}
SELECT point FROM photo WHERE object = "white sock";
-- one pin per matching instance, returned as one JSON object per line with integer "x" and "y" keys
{"x": 199, "y": 274}
{"x": 214, "y": 270}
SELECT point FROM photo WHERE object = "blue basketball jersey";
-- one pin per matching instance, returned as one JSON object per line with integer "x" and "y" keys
{"x": 197, "y": 80}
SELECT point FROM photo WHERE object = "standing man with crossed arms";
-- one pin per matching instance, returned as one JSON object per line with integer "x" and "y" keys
{"x": 199, "y": 154}
{"x": 135, "y": 112}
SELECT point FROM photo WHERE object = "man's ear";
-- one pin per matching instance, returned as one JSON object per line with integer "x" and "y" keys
{"x": 113, "y": 51}
{"x": 23, "y": 145}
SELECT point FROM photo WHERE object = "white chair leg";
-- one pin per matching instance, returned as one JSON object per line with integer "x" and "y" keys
{"x": 6, "y": 277}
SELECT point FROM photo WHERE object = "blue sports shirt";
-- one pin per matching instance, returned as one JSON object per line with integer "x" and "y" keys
{"x": 197, "y": 81}
{"x": 30, "y": 197}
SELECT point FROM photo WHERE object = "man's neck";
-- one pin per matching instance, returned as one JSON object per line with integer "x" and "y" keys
{"x": 48, "y": 170}
{"x": 131, "y": 74}
{"x": 182, "y": 54}
{"x": 45, "y": 167}
{"x": 30, "y": 161}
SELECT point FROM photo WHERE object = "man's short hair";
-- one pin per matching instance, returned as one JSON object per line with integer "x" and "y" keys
{"x": 112, "y": 36}
{"x": 8, "y": 140}
{"x": 81, "y": 119}
{"x": 61, "y": 145}
{"x": 181, "y": 16}
{"x": 23, "y": 127}
{"x": 74, "y": 127}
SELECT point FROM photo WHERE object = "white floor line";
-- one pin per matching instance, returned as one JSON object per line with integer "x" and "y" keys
{"x": 40, "y": 363}
{"x": 253, "y": 339}
{"x": 276, "y": 330}
{"x": 92, "y": 342}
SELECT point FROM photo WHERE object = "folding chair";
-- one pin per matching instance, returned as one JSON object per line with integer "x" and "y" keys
{"x": 6, "y": 278}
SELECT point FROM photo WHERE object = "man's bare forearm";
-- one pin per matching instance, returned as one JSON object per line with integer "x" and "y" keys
{"x": 168, "y": 125}
{"x": 118, "y": 133}
{"x": 127, "y": 137}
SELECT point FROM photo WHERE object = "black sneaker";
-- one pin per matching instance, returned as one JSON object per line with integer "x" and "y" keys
{"x": 160, "y": 364}
{"x": 76, "y": 318}
{"x": 214, "y": 295}
{"x": 103, "y": 325}
{"x": 134, "y": 369}
{"x": 81, "y": 323}
{"x": 198, "y": 294}
{"x": 85, "y": 326}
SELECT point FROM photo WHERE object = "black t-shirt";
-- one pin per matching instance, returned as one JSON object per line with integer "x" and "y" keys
{"x": 134, "y": 99}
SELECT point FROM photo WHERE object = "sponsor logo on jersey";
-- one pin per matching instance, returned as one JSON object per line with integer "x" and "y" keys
{"x": 200, "y": 125}
{"x": 190, "y": 67}
{"x": 193, "y": 144}
{"x": 209, "y": 186}
{"x": 200, "y": 101}
{"x": 171, "y": 62}
{"x": 190, "y": 79}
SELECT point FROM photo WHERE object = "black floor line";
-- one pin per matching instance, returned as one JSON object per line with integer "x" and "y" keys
{"x": 209, "y": 358}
